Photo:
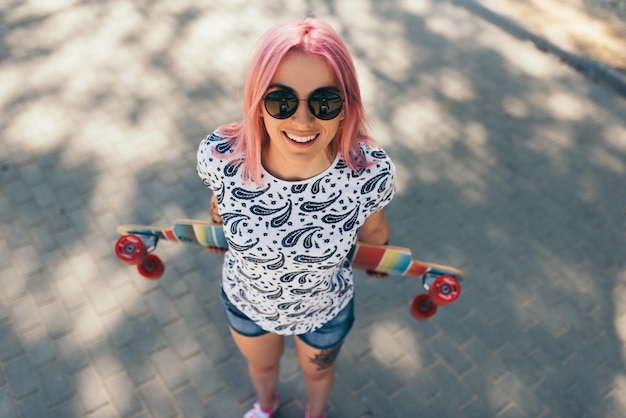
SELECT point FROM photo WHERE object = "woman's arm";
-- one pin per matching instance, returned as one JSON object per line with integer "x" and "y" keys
{"x": 375, "y": 229}
{"x": 216, "y": 218}
{"x": 214, "y": 210}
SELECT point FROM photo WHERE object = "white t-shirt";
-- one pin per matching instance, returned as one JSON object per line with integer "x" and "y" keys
{"x": 286, "y": 266}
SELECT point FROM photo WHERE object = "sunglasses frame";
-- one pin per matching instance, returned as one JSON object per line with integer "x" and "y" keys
{"x": 290, "y": 96}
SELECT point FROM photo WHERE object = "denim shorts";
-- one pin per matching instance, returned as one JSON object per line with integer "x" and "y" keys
{"x": 329, "y": 335}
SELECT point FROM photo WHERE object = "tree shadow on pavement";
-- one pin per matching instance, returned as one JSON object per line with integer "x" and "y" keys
{"x": 509, "y": 167}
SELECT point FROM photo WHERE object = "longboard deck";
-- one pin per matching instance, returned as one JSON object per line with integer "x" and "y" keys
{"x": 396, "y": 261}
{"x": 186, "y": 231}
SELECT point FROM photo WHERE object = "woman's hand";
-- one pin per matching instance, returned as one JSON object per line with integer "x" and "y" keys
{"x": 215, "y": 250}
{"x": 375, "y": 230}
{"x": 377, "y": 275}
{"x": 214, "y": 211}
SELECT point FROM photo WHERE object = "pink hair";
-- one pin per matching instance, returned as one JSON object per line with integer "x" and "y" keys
{"x": 311, "y": 37}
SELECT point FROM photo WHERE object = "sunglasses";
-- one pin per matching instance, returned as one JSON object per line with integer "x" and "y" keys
{"x": 324, "y": 103}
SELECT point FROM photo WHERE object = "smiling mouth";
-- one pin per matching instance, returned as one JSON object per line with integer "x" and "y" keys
{"x": 301, "y": 139}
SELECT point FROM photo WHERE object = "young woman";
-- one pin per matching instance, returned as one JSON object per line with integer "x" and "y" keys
{"x": 295, "y": 183}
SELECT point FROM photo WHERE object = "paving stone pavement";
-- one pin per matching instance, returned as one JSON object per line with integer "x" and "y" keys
{"x": 511, "y": 166}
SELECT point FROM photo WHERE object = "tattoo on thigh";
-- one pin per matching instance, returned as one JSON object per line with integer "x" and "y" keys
{"x": 325, "y": 358}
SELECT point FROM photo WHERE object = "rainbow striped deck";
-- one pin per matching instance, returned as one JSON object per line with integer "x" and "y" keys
{"x": 186, "y": 231}
{"x": 396, "y": 261}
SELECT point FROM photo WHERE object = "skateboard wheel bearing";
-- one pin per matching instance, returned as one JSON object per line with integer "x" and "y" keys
{"x": 130, "y": 249}
{"x": 445, "y": 290}
{"x": 422, "y": 307}
{"x": 151, "y": 267}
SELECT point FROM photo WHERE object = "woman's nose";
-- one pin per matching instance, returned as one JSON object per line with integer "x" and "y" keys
{"x": 303, "y": 115}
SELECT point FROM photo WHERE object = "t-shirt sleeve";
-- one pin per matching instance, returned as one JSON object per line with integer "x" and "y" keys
{"x": 383, "y": 181}
{"x": 207, "y": 162}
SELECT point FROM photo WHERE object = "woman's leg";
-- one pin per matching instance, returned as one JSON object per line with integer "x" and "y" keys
{"x": 318, "y": 367}
{"x": 263, "y": 354}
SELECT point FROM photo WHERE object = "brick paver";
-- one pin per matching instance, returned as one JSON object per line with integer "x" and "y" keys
{"x": 510, "y": 164}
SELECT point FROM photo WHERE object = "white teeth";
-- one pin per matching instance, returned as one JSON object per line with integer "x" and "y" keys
{"x": 301, "y": 139}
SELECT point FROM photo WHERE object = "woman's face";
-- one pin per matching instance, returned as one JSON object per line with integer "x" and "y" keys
{"x": 299, "y": 145}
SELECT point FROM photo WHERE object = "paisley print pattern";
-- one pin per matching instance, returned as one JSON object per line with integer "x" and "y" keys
{"x": 288, "y": 241}
{"x": 232, "y": 168}
{"x": 318, "y": 206}
{"x": 291, "y": 239}
{"x": 302, "y": 258}
{"x": 298, "y": 188}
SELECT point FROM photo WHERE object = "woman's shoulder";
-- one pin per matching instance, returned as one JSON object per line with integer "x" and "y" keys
{"x": 216, "y": 148}
{"x": 215, "y": 155}
{"x": 217, "y": 141}
{"x": 375, "y": 159}
{"x": 372, "y": 152}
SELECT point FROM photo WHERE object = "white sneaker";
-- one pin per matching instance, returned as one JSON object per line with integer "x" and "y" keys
{"x": 258, "y": 412}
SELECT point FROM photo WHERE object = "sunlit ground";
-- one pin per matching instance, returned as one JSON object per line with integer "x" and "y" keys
{"x": 592, "y": 28}
{"x": 515, "y": 156}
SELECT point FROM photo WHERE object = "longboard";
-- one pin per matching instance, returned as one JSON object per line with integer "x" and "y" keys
{"x": 138, "y": 242}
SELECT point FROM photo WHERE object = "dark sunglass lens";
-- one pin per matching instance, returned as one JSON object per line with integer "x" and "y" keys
{"x": 281, "y": 104}
{"x": 325, "y": 104}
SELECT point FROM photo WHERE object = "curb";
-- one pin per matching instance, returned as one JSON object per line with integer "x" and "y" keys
{"x": 591, "y": 68}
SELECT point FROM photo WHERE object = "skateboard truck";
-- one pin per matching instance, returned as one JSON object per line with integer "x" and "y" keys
{"x": 136, "y": 250}
{"x": 442, "y": 289}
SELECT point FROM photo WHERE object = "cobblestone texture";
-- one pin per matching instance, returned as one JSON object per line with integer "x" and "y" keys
{"x": 511, "y": 166}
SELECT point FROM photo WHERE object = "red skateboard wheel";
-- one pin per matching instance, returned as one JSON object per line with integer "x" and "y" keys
{"x": 422, "y": 307}
{"x": 445, "y": 290}
{"x": 151, "y": 268}
{"x": 130, "y": 249}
